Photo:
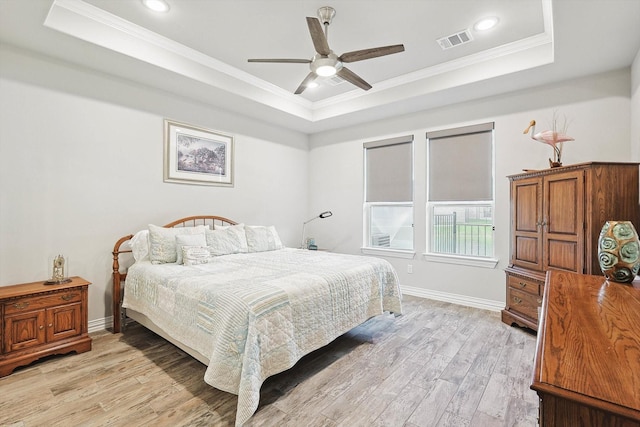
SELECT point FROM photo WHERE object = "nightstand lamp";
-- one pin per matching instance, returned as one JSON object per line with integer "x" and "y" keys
{"x": 325, "y": 214}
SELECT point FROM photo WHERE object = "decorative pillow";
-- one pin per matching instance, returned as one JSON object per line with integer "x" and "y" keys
{"x": 139, "y": 244}
{"x": 230, "y": 240}
{"x": 162, "y": 242}
{"x": 188, "y": 240}
{"x": 262, "y": 238}
{"x": 194, "y": 255}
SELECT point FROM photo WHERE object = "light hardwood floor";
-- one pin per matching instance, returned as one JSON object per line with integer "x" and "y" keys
{"x": 438, "y": 365}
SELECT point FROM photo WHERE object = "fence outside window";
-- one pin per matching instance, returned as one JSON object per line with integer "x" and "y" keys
{"x": 462, "y": 230}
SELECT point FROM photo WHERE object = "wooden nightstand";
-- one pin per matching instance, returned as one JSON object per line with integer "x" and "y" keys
{"x": 38, "y": 320}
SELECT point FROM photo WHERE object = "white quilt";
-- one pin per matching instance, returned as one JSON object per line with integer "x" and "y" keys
{"x": 257, "y": 314}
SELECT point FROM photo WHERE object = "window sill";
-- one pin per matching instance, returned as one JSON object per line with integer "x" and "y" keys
{"x": 461, "y": 260}
{"x": 396, "y": 253}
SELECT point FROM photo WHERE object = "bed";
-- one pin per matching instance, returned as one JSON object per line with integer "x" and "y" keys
{"x": 242, "y": 303}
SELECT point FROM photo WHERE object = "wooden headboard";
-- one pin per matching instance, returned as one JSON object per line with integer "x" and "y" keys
{"x": 118, "y": 277}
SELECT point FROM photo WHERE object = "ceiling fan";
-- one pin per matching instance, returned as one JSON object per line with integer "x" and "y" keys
{"x": 325, "y": 63}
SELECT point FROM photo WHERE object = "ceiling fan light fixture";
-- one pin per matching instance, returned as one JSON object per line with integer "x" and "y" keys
{"x": 326, "y": 70}
{"x": 326, "y": 66}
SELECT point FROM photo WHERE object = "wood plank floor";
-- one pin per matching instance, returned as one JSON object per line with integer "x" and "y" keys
{"x": 438, "y": 365}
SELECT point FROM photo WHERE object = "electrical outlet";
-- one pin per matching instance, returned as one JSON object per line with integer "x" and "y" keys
{"x": 410, "y": 268}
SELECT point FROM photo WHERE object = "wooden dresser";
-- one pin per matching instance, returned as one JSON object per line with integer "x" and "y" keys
{"x": 556, "y": 218}
{"x": 587, "y": 362}
{"x": 38, "y": 320}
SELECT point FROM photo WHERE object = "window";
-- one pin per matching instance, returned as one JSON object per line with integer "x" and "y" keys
{"x": 388, "y": 207}
{"x": 460, "y": 191}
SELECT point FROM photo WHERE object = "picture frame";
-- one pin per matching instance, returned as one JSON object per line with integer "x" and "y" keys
{"x": 195, "y": 155}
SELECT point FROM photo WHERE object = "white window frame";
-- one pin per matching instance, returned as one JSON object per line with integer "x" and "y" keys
{"x": 366, "y": 248}
{"x": 474, "y": 261}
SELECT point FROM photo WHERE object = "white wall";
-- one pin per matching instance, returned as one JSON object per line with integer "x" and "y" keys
{"x": 81, "y": 161}
{"x": 599, "y": 110}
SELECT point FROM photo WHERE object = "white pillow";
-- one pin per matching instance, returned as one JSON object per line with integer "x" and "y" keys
{"x": 262, "y": 238}
{"x": 229, "y": 240}
{"x": 188, "y": 240}
{"x": 139, "y": 244}
{"x": 162, "y": 242}
{"x": 194, "y": 255}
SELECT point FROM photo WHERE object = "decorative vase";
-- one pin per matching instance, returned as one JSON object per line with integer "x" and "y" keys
{"x": 619, "y": 251}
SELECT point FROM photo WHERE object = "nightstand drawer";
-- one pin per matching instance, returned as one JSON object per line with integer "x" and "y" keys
{"x": 38, "y": 302}
{"x": 524, "y": 303}
{"x": 525, "y": 285}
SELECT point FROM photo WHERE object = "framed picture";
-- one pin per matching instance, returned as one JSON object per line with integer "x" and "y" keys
{"x": 194, "y": 155}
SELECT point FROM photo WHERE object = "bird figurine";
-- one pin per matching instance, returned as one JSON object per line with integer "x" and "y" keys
{"x": 551, "y": 137}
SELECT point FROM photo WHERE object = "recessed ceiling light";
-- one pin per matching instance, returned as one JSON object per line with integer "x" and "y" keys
{"x": 312, "y": 85}
{"x": 486, "y": 24}
{"x": 156, "y": 5}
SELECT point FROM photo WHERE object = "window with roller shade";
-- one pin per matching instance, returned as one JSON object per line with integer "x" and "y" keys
{"x": 460, "y": 191}
{"x": 388, "y": 207}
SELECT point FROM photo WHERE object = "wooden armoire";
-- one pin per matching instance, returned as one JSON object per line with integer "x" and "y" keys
{"x": 556, "y": 218}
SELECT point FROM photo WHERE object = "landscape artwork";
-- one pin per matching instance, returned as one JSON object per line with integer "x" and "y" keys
{"x": 200, "y": 155}
{"x": 195, "y": 155}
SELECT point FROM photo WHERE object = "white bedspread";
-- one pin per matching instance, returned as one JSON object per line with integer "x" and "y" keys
{"x": 257, "y": 314}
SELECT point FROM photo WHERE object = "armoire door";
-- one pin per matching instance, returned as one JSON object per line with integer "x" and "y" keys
{"x": 526, "y": 230}
{"x": 563, "y": 221}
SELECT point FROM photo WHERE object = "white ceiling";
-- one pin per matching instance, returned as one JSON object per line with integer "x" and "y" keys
{"x": 200, "y": 48}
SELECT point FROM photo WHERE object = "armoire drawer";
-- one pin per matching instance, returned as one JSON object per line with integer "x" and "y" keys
{"x": 524, "y": 303}
{"x": 525, "y": 285}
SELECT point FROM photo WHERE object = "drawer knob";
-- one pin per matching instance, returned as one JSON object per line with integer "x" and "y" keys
{"x": 517, "y": 300}
{"x": 41, "y": 327}
{"x": 20, "y": 305}
{"x": 68, "y": 297}
{"x": 522, "y": 284}
{"x": 50, "y": 325}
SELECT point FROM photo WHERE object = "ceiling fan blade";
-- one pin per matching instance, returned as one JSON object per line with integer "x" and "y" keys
{"x": 353, "y": 78}
{"x": 359, "y": 55}
{"x": 310, "y": 77}
{"x": 318, "y": 37}
{"x": 282, "y": 60}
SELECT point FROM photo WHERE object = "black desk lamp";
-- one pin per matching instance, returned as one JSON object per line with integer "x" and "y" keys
{"x": 325, "y": 214}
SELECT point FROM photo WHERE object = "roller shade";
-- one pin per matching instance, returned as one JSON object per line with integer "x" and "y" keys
{"x": 460, "y": 164}
{"x": 389, "y": 170}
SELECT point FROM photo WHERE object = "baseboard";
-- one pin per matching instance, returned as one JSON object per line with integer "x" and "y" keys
{"x": 465, "y": 300}
{"x": 98, "y": 325}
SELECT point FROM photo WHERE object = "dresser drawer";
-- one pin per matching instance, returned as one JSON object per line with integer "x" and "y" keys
{"x": 525, "y": 285}
{"x": 21, "y": 305}
{"x": 524, "y": 303}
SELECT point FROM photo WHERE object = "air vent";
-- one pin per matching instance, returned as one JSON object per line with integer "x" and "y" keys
{"x": 334, "y": 80}
{"x": 454, "y": 40}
